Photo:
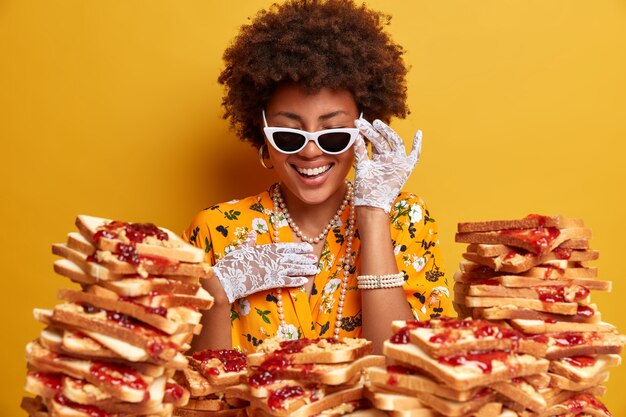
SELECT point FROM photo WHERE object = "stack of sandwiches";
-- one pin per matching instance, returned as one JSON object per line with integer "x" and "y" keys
{"x": 305, "y": 377}
{"x": 111, "y": 348}
{"x": 533, "y": 274}
{"x": 207, "y": 376}
{"x": 457, "y": 368}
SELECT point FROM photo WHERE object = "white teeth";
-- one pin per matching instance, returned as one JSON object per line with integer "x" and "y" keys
{"x": 313, "y": 171}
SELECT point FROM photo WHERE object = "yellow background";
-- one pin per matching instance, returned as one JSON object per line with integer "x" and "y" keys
{"x": 111, "y": 108}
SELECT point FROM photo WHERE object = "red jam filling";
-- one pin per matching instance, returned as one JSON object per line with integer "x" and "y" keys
{"x": 269, "y": 370}
{"x": 568, "y": 339}
{"x": 400, "y": 369}
{"x": 557, "y": 294}
{"x": 276, "y": 399}
{"x": 480, "y": 359}
{"x": 585, "y": 311}
{"x": 118, "y": 376}
{"x": 135, "y": 232}
{"x": 90, "y": 410}
{"x": 582, "y": 361}
{"x": 296, "y": 346}
{"x": 562, "y": 253}
{"x": 232, "y": 360}
{"x": 174, "y": 392}
{"x": 50, "y": 380}
{"x": 539, "y": 238}
{"x": 541, "y": 220}
{"x": 160, "y": 311}
{"x": 551, "y": 269}
{"x": 480, "y": 329}
{"x": 578, "y": 403}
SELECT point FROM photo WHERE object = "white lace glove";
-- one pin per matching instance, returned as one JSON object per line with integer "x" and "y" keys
{"x": 250, "y": 268}
{"x": 379, "y": 180}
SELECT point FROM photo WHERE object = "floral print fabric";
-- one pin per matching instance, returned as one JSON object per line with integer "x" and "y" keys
{"x": 222, "y": 228}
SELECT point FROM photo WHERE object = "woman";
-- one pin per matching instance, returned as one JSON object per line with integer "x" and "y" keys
{"x": 315, "y": 255}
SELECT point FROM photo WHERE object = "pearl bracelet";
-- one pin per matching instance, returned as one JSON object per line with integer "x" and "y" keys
{"x": 372, "y": 282}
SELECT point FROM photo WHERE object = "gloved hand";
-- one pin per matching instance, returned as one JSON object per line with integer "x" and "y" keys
{"x": 379, "y": 180}
{"x": 250, "y": 268}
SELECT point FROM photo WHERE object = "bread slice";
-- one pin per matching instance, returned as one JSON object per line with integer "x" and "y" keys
{"x": 517, "y": 281}
{"x": 296, "y": 400}
{"x": 515, "y": 262}
{"x": 583, "y": 369}
{"x": 537, "y": 305}
{"x": 280, "y": 367}
{"x": 554, "y": 326}
{"x": 220, "y": 367}
{"x": 580, "y": 404}
{"x": 168, "y": 320}
{"x": 560, "y": 382}
{"x": 313, "y": 350}
{"x": 529, "y": 222}
{"x": 118, "y": 381}
{"x": 584, "y": 314}
{"x": 144, "y": 265}
{"x": 409, "y": 380}
{"x": 521, "y": 392}
{"x": 447, "y": 337}
{"x": 474, "y": 370}
{"x": 535, "y": 240}
{"x": 547, "y": 294}
{"x": 188, "y": 412}
{"x": 387, "y": 400}
{"x": 562, "y": 345}
{"x": 147, "y": 238}
{"x": 490, "y": 250}
{"x": 89, "y": 320}
{"x": 130, "y": 287}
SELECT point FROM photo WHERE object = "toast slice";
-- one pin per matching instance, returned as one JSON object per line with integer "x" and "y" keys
{"x": 529, "y": 222}
{"x": 388, "y": 401}
{"x": 147, "y": 238}
{"x": 94, "y": 321}
{"x": 130, "y": 287}
{"x": 488, "y": 250}
{"x": 447, "y": 337}
{"x": 560, "y": 382}
{"x": 554, "y": 326}
{"x": 514, "y": 262}
{"x": 582, "y": 369}
{"x": 517, "y": 281}
{"x": 116, "y": 380}
{"x": 130, "y": 263}
{"x": 546, "y": 294}
{"x": 564, "y": 308}
{"x": 278, "y": 367}
{"x": 302, "y": 351}
{"x": 521, "y": 392}
{"x": 584, "y": 314}
{"x": 562, "y": 345}
{"x": 538, "y": 240}
{"x": 408, "y": 380}
{"x": 471, "y": 370}
{"x": 220, "y": 367}
{"x": 168, "y": 320}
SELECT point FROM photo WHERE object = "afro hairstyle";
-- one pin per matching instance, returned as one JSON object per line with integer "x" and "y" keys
{"x": 314, "y": 43}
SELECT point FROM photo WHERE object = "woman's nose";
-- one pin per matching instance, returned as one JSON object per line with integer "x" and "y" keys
{"x": 310, "y": 150}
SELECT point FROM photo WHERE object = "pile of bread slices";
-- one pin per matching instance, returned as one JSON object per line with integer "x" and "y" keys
{"x": 111, "y": 348}
{"x": 528, "y": 342}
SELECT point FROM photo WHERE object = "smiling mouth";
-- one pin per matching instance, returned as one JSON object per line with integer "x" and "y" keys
{"x": 313, "y": 172}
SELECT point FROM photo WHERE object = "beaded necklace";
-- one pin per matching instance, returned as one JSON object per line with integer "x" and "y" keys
{"x": 347, "y": 261}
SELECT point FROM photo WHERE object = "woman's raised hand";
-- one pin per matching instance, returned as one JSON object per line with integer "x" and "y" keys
{"x": 250, "y": 268}
{"x": 379, "y": 180}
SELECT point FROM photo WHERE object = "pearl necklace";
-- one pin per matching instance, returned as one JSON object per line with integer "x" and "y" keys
{"x": 347, "y": 262}
{"x": 278, "y": 199}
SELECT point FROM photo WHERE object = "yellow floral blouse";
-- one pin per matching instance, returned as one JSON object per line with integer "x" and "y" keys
{"x": 223, "y": 227}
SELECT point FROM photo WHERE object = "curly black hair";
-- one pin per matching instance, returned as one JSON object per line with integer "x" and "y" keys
{"x": 314, "y": 43}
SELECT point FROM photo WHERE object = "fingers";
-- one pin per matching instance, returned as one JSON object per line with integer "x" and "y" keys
{"x": 295, "y": 281}
{"x": 378, "y": 142}
{"x": 289, "y": 247}
{"x": 390, "y": 135}
{"x": 360, "y": 151}
{"x": 416, "y": 151}
{"x": 298, "y": 259}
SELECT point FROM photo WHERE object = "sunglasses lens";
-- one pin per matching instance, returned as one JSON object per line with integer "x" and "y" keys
{"x": 334, "y": 142}
{"x": 288, "y": 141}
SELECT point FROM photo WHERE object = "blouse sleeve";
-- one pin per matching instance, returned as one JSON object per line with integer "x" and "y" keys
{"x": 199, "y": 234}
{"x": 416, "y": 247}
